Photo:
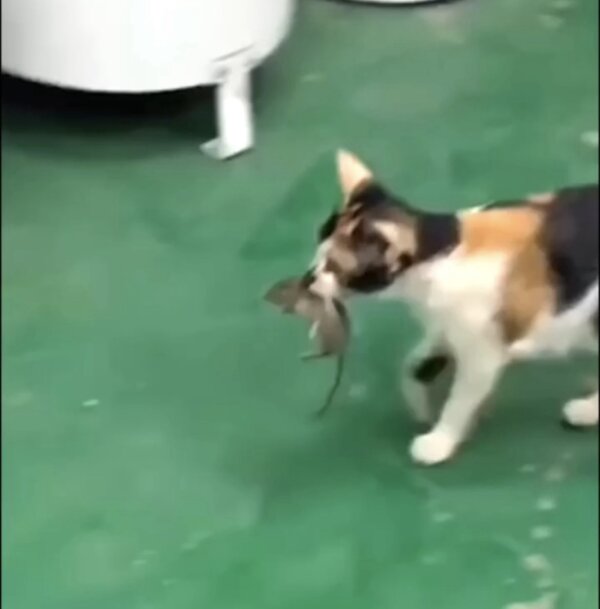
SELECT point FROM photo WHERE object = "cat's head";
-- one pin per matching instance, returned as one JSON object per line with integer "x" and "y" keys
{"x": 370, "y": 239}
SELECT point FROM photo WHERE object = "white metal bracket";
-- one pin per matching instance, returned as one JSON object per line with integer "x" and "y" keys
{"x": 233, "y": 100}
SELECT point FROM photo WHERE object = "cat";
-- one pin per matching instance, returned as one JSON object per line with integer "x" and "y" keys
{"x": 500, "y": 283}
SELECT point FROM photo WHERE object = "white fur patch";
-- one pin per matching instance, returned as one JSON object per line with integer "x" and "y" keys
{"x": 456, "y": 294}
{"x": 558, "y": 335}
{"x": 325, "y": 283}
{"x": 433, "y": 447}
{"x": 582, "y": 412}
{"x": 542, "y": 198}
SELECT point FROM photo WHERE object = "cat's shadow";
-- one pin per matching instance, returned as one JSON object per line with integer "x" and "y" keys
{"x": 369, "y": 439}
{"x": 52, "y": 121}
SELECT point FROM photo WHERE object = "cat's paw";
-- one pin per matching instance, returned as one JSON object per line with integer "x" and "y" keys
{"x": 581, "y": 413}
{"x": 433, "y": 447}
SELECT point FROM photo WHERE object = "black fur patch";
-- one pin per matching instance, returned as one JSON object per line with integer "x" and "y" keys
{"x": 370, "y": 195}
{"x": 371, "y": 280}
{"x": 428, "y": 369}
{"x": 328, "y": 226}
{"x": 436, "y": 234}
{"x": 570, "y": 237}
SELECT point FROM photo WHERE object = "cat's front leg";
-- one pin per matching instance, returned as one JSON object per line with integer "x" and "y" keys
{"x": 478, "y": 366}
{"x": 422, "y": 367}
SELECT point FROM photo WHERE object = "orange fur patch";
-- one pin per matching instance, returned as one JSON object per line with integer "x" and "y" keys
{"x": 527, "y": 288}
{"x": 527, "y": 292}
{"x": 501, "y": 230}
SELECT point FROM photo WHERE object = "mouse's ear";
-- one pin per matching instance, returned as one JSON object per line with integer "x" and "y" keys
{"x": 352, "y": 172}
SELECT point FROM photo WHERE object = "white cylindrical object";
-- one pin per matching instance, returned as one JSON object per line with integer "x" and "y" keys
{"x": 134, "y": 46}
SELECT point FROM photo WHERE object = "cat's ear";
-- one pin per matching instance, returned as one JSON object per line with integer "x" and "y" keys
{"x": 352, "y": 172}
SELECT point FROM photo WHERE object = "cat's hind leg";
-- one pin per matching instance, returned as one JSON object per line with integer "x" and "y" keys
{"x": 582, "y": 412}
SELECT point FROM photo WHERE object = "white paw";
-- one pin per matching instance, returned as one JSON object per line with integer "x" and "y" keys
{"x": 433, "y": 447}
{"x": 582, "y": 412}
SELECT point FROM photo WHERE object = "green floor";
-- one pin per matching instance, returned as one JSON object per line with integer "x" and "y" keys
{"x": 158, "y": 451}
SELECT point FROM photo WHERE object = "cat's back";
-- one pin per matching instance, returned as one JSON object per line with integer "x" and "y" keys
{"x": 530, "y": 264}
{"x": 561, "y": 225}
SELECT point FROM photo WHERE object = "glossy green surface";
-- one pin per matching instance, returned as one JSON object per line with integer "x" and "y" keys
{"x": 158, "y": 449}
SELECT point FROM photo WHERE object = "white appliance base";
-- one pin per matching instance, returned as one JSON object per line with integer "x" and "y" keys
{"x": 146, "y": 46}
{"x": 235, "y": 122}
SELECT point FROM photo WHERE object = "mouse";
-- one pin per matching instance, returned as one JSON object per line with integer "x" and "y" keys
{"x": 330, "y": 325}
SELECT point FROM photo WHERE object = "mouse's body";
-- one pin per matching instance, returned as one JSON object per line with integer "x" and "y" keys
{"x": 329, "y": 319}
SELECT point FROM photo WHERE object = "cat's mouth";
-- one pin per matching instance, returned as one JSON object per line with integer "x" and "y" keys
{"x": 333, "y": 286}
{"x": 324, "y": 284}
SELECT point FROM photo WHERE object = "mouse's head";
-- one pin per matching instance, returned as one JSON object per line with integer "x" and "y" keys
{"x": 368, "y": 241}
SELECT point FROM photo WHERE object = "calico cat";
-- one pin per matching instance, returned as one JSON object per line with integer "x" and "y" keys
{"x": 494, "y": 284}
